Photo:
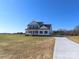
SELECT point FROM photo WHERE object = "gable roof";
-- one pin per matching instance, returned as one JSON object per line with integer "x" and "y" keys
{"x": 42, "y": 26}
{"x": 47, "y": 25}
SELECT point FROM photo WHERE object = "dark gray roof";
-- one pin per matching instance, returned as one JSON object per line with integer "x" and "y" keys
{"x": 47, "y": 25}
{"x": 41, "y": 24}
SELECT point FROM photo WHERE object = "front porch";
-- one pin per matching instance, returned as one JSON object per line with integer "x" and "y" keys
{"x": 37, "y": 32}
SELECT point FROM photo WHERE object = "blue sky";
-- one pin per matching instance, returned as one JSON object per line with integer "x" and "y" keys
{"x": 16, "y": 14}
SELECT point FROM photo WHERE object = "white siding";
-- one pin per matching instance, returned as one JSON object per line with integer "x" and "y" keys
{"x": 44, "y": 32}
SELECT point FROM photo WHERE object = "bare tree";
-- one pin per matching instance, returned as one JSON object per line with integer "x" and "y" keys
{"x": 77, "y": 28}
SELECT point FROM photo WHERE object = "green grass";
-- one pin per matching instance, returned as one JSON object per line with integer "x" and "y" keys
{"x": 13, "y": 46}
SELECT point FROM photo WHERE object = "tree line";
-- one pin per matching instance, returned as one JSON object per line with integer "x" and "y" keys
{"x": 73, "y": 32}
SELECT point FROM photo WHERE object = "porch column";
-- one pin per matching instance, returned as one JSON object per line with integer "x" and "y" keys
{"x": 38, "y": 32}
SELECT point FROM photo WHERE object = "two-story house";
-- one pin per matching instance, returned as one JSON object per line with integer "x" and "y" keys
{"x": 38, "y": 28}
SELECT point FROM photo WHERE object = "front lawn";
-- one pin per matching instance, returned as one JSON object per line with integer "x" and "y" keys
{"x": 25, "y": 47}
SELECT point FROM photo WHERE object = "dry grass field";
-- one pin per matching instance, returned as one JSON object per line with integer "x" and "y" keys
{"x": 74, "y": 38}
{"x": 25, "y": 47}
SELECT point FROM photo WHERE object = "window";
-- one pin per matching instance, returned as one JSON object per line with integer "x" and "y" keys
{"x": 41, "y": 32}
{"x": 30, "y": 31}
{"x": 45, "y": 32}
{"x": 36, "y": 31}
{"x": 32, "y": 27}
{"x": 35, "y": 26}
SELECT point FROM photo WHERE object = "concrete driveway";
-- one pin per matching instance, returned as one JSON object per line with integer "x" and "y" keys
{"x": 65, "y": 49}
